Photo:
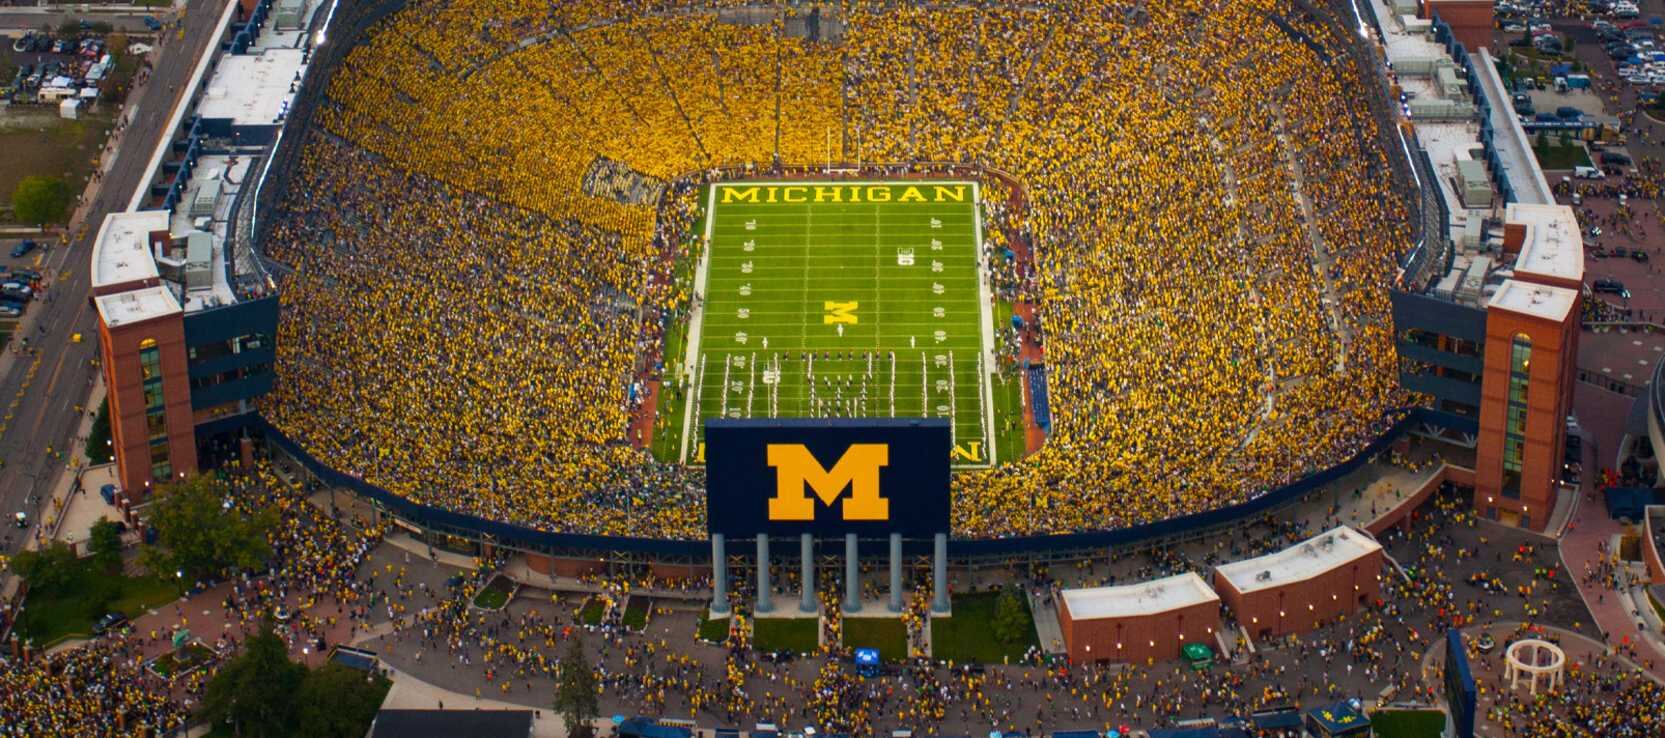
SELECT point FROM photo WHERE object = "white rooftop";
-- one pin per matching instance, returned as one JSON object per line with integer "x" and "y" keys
{"x": 1536, "y": 300}
{"x": 1146, "y": 598}
{"x": 1334, "y": 548}
{"x": 1520, "y": 165}
{"x": 251, "y": 89}
{"x": 122, "y": 252}
{"x": 136, "y": 305}
{"x": 210, "y": 167}
{"x": 1402, "y": 45}
{"x": 1553, "y": 247}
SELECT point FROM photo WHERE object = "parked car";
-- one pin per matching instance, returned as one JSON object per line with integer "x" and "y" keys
{"x": 1615, "y": 158}
{"x": 22, "y": 249}
{"x": 152, "y": 23}
{"x": 1587, "y": 173}
{"x": 1610, "y": 287}
{"x": 1640, "y": 257}
{"x": 110, "y": 621}
{"x": 10, "y": 310}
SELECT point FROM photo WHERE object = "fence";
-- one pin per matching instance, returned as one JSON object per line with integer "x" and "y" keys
{"x": 517, "y": 536}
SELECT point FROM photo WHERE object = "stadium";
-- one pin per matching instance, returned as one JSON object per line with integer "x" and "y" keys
{"x": 1138, "y": 254}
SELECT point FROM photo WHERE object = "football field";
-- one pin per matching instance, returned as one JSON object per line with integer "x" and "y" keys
{"x": 842, "y": 300}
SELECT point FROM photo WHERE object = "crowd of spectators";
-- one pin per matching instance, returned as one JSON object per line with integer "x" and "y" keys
{"x": 312, "y": 588}
{"x": 1211, "y": 219}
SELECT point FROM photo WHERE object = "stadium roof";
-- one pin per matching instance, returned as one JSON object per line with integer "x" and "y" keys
{"x": 138, "y": 305}
{"x": 1145, "y": 598}
{"x": 121, "y": 254}
{"x": 1510, "y": 143}
{"x": 1553, "y": 247}
{"x": 252, "y": 89}
{"x": 1536, "y": 300}
{"x": 1324, "y": 552}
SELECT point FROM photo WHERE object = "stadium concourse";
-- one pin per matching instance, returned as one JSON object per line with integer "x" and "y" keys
{"x": 463, "y": 319}
{"x": 347, "y": 580}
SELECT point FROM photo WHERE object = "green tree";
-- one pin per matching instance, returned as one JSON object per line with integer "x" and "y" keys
{"x": 256, "y": 690}
{"x": 105, "y": 544}
{"x": 47, "y": 569}
{"x": 40, "y": 200}
{"x": 98, "y": 448}
{"x": 575, "y": 698}
{"x": 1009, "y": 619}
{"x": 338, "y": 702}
{"x": 198, "y": 535}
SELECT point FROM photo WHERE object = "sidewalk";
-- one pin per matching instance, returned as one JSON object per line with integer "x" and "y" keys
{"x": 1579, "y": 550}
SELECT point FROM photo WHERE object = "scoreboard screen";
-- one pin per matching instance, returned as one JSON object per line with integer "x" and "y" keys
{"x": 828, "y": 477}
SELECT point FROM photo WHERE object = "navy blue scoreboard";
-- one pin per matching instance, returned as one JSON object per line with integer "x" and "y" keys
{"x": 827, "y": 477}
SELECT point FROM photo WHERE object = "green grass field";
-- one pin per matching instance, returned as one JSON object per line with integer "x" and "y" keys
{"x": 798, "y": 635}
{"x": 888, "y": 635}
{"x": 841, "y": 300}
{"x": 968, "y": 636}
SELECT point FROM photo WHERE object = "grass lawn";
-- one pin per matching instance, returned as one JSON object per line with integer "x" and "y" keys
{"x": 668, "y": 416}
{"x": 591, "y": 612}
{"x": 168, "y": 665}
{"x": 798, "y": 635}
{"x": 968, "y": 636}
{"x": 495, "y": 595}
{"x": 44, "y": 144}
{"x": 636, "y": 613}
{"x": 140, "y": 594}
{"x": 1011, "y": 443}
{"x": 1555, "y": 156}
{"x": 1407, "y": 723}
{"x": 50, "y": 616}
{"x": 712, "y": 630}
{"x": 888, "y": 635}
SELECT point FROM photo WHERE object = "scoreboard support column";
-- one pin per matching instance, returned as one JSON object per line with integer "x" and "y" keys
{"x": 852, "y": 575}
{"x": 764, "y": 601}
{"x": 939, "y": 578}
{"x": 719, "y": 575}
{"x": 806, "y": 560}
{"x": 896, "y": 572}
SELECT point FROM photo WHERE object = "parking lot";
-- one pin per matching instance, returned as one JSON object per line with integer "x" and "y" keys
{"x": 20, "y": 283}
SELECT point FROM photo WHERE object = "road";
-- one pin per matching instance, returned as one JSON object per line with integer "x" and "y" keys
{"x": 44, "y": 416}
{"x": 12, "y": 21}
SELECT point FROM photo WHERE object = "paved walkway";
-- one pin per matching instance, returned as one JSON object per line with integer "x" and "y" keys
{"x": 1582, "y": 652}
{"x": 1046, "y": 622}
{"x": 1581, "y": 550}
